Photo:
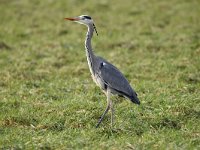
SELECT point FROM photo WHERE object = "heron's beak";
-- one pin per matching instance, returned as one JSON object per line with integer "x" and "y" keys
{"x": 72, "y": 19}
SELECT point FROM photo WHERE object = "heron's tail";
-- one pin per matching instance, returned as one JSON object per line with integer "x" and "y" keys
{"x": 135, "y": 99}
{"x": 133, "y": 96}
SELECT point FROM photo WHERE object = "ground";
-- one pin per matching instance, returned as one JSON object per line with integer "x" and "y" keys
{"x": 48, "y": 99}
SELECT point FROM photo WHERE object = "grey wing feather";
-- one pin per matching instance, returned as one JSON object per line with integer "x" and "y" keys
{"x": 114, "y": 78}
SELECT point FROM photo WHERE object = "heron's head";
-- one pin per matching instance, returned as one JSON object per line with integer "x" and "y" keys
{"x": 83, "y": 19}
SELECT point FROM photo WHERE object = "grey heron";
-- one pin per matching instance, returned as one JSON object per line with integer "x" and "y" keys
{"x": 104, "y": 74}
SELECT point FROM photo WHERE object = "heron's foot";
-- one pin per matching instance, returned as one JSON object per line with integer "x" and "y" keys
{"x": 97, "y": 125}
{"x": 101, "y": 119}
{"x": 99, "y": 122}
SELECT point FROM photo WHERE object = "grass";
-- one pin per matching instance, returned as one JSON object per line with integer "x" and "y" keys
{"x": 48, "y": 99}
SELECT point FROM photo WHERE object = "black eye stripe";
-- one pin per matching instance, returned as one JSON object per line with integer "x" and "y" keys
{"x": 87, "y": 17}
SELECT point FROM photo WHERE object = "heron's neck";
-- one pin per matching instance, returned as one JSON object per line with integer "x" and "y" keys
{"x": 88, "y": 47}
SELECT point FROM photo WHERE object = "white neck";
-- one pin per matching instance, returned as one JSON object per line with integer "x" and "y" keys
{"x": 88, "y": 48}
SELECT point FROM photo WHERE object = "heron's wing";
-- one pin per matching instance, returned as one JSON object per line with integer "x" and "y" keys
{"x": 114, "y": 78}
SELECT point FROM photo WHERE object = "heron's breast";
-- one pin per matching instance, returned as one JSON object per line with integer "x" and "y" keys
{"x": 98, "y": 81}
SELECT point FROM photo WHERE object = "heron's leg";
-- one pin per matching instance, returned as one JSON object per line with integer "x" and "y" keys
{"x": 112, "y": 112}
{"x": 107, "y": 108}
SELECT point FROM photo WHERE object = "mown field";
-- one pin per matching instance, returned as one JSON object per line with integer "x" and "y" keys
{"x": 48, "y": 99}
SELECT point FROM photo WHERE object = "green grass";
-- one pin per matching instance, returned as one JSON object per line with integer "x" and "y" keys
{"x": 48, "y": 99}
